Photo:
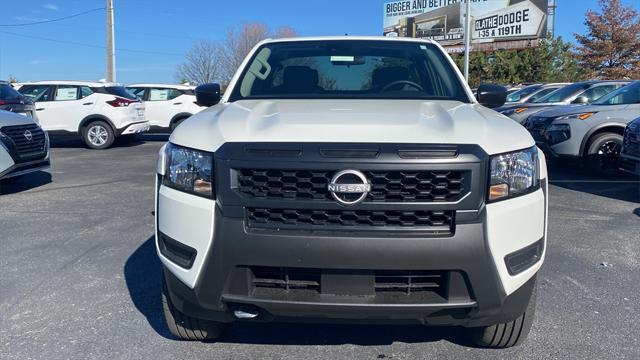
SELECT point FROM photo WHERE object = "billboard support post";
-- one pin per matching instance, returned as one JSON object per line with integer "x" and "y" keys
{"x": 467, "y": 39}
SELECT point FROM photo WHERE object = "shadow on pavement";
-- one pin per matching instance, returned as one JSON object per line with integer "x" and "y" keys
{"x": 24, "y": 182}
{"x": 76, "y": 142}
{"x": 142, "y": 273}
{"x": 574, "y": 177}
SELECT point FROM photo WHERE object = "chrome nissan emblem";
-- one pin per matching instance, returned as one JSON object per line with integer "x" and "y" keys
{"x": 347, "y": 182}
{"x": 28, "y": 135}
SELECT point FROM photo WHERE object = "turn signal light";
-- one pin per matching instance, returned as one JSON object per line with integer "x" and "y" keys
{"x": 518, "y": 111}
{"x": 498, "y": 191}
{"x": 585, "y": 116}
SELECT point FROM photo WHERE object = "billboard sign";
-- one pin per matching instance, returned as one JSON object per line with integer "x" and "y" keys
{"x": 443, "y": 20}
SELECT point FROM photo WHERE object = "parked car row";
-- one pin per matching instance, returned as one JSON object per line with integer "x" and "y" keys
{"x": 101, "y": 112}
{"x": 98, "y": 112}
{"x": 584, "y": 120}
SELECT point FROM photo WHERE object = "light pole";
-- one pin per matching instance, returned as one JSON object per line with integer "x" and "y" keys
{"x": 111, "y": 44}
{"x": 467, "y": 40}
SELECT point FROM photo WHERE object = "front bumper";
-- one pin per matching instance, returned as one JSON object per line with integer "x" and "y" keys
{"x": 478, "y": 288}
{"x": 219, "y": 256}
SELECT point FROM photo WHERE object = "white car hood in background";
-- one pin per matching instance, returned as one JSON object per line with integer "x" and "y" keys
{"x": 352, "y": 121}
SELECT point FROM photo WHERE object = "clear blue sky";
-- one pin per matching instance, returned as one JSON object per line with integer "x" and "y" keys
{"x": 165, "y": 30}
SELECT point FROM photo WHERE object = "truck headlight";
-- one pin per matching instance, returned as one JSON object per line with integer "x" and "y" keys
{"x": 513, "y": 174}
{"x": 189, "y": 170}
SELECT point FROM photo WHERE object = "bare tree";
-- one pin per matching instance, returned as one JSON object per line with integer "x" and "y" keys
{"x": 209, "y": 61}
{"x": 239, "y": 42}
{"x": 202, "y": 64}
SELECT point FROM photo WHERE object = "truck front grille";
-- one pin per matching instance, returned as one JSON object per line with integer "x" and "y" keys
{"x": 29, "y": 140}
{"x": 631, "y": 141}
{"x": 386, "y": 186}
{"x": 274, "y": 280}
{"x": 317, "y": 219}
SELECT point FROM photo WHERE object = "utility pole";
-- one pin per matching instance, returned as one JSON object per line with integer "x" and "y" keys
{"x": 551, "y": 23}
{"x": 467, "y": 40}
{"x": 111, "y": 44}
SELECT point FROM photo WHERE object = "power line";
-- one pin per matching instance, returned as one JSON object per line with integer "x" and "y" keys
{"x": 54, "y": 20}
{"x": 89, "y": 45}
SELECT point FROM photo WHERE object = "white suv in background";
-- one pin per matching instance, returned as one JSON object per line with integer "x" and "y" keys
{"x": 97, "y": 111}
{"x": 166, "y": 105}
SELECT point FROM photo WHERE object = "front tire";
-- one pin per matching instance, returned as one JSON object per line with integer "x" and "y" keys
{"x": 98, "y": 135}
{"x": 505, "y": 335}
{"x": 185, "y": 327}
{"x": 603, "y": 153}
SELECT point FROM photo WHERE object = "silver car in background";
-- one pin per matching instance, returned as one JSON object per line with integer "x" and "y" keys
{"x": 579, "y": 93}
{"x": 590, "y": 132}
{"x": 532, "y": 93}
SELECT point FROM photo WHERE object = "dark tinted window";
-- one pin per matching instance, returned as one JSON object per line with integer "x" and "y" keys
{"x": 629, "y": 94}
{"x": 597, "y": 92}
{"x": 85, "y": 91}
{"x": 8, "y": 93}
{"x": 540, "y": 94}
{"x": 563, "y": 94}
{"x": 349, "y": 70}
{"x": 137, "y": 91}
{"x": 36, "y": 92}
{"x": 120, "y": 91}
{"x": 517, "y": 95}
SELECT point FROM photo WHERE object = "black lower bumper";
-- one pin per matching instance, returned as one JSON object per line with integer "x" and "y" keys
{"x": 630, "y": 164}
{"x": 347, "y": 269}
{"x": 24, "y": 168}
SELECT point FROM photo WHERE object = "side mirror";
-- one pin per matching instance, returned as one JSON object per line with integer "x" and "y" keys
{"x": 208, "y": 94}
{"x": 491, "y": 96}
{"x": 580, "y": 100}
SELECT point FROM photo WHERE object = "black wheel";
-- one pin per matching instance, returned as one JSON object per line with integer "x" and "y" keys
{"x": 98, "y": 135}
{"x": 185, "y": 327}
{"x": 508, "y": 334}
{"x": 603, "y": 153}
{"x": 176, "y": 122}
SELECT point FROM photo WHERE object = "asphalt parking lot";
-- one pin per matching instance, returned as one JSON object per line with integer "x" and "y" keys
{"x": 80, "y": 277}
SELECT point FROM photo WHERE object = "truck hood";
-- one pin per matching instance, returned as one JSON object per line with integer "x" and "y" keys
{"x": 352, "y": 121}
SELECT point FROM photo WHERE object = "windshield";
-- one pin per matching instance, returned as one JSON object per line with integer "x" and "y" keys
{"x": 349, "y": 70}
{"x": 629, "y": 94}
{"x": 562, "y": 94}
{"x": 516, "y": 96}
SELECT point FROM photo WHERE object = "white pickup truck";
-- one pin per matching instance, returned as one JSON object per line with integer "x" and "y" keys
{"x": 351, "y": 179}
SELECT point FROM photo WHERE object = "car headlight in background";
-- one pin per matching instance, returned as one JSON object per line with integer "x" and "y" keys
{"x": 513, "y": 174}
{"x": 557, "y": 133}
{"x": 189, "y": 170}
{"x": 582, "y": 116}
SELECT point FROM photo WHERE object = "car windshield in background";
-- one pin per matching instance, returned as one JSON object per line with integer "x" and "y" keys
{"x": 516, "y": 96}
{"x": 349, "y": 70}
{"x": 629, "y": 94}
{"x": 8, "y": 93}
{"x": 562, "y": 94}
{"x": 121, "y": 91}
